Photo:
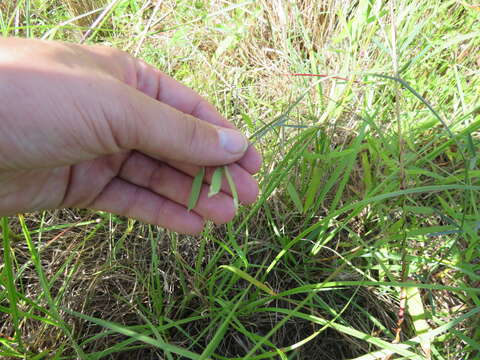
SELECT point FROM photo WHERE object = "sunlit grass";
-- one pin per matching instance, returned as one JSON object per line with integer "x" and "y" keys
{"x": 369, "y": 199}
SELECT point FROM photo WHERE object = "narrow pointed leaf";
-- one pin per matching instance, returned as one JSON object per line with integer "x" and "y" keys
{"x": 233, "y": 187}
{"x": 216, "y": 183}
{"x": 295, "y": 197}
{"x": 416, "y": 311}
{"x": 196, "y": 188}
{"x": 250, "y": 279}
{"x": 313, "y": 187}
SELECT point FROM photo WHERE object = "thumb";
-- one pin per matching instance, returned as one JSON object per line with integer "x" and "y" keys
{"x": 164, "y": 132}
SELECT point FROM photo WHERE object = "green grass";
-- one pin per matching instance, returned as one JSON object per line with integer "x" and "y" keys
{"x": 369, "y": 193}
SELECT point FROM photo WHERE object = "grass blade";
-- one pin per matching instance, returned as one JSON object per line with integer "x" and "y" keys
{"x": 295, "y": 197}
{"x": 216, "y": 183}
{"x": 44, "y": 285}
{"x": 120, "y": 329}
{"x": 196, "y": 188}
{"x": 219, "y": 334}
{"x": 249, "y": 278}
{"x": 313, "y": 187}
{"x": 8, "y": 275}
{"x": 419, "y": 317}
{"x": 233, "y": 187}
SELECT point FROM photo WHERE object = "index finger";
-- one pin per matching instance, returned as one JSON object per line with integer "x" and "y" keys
{"x": 162, "y": 87}
{"x": 158, "y": 85}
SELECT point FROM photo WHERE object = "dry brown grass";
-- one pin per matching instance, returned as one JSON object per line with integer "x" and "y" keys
{"x": 80, "y": 7}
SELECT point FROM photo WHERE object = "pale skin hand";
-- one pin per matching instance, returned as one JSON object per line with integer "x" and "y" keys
{"x": 92, "y": 127}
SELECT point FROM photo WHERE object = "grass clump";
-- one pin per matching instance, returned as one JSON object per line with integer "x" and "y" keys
{"x": 364, "y": 243}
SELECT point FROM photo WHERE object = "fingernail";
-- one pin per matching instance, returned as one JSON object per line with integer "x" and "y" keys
{"x": 232, "y": 141}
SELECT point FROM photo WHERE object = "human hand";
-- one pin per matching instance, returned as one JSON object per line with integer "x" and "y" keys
{"x": 92, "y": 127}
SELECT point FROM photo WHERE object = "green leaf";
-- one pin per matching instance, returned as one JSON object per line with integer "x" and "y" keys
{"x": 9, "y": 281}
{"x": 367, "y": 172}
{"x": 249, "y": 278}
{"x": 313, "y": 187}
{"x": 334, "y": 154}
{"x": 233, "y": 188}
{"x": 295, "y": 197}
{"x": 216, "y": 182}
{"x": 196, "y": 188}
{"x": 419, "y": 317}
